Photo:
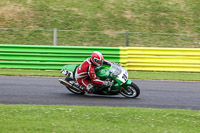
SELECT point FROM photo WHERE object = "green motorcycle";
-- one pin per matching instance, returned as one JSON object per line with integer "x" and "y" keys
{"x": 116, "y": 74}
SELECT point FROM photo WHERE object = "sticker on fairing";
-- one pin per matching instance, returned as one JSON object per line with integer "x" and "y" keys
{"x": 123, "y": 77}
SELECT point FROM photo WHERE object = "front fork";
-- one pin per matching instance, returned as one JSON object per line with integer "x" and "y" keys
{"x": 121, "y": 86}
{"x": 125, "y": 85}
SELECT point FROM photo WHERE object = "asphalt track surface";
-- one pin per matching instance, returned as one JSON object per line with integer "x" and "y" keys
{"x": 48, "y": 91}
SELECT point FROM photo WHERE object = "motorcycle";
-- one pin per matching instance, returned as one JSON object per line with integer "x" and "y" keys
{"x": 116, "y": 74}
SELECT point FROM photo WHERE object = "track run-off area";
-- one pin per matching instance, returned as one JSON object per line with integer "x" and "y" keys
{"x": 48, "y": 91}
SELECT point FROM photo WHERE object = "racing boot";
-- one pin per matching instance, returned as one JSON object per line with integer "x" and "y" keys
{"x": 90, "y": 89}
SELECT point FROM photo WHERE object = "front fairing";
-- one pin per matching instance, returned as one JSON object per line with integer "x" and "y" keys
{"x": 115, "y": 72}
{"x": 118, "y": 73}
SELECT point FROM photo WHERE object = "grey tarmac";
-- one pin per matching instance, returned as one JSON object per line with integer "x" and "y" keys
{"x": 48, "y": 91}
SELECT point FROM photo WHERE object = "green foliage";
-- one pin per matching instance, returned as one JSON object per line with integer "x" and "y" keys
{"x": 151, "y": 16}
{"x": 42, "y": 118}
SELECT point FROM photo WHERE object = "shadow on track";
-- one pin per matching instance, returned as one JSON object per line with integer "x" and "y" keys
{"x": 95, "y": 96}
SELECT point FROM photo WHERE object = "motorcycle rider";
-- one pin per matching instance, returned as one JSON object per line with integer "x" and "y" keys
{"x": 85, "y": 73}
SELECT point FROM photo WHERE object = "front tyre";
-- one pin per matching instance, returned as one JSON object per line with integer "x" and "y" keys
{"x": 132, "y": 91}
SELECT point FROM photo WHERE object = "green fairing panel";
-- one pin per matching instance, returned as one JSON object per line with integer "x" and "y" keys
{"x": 128, "y": 82}
{"x": 70, "y": 68}
{"x": 116, "y": 86}
{"x": 102, "y": 72}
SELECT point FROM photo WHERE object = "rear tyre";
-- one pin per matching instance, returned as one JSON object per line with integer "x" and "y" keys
{"x": 132, "y": 91}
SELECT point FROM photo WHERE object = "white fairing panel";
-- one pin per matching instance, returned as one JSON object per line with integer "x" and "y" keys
{"x": 123, "y": 76}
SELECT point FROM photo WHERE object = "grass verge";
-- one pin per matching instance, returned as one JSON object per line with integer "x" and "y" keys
{"x": 30, "y": 72}
{"x": 184, "y": 76}
{"x": 109, "y": 16}
{"x": 54, "y": 118}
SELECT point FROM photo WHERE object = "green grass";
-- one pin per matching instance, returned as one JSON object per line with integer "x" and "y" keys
{"x": 30, "y": 72}
{"x": 151, "y": 16}
{"x": 184, "y": 76}
{"x": 60, "y": 118}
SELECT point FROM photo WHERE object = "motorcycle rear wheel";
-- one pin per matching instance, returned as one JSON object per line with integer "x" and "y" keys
{"x": 132, "y": 91}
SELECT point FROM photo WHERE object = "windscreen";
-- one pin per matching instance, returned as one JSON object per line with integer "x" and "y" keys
{"x": 115, "y": 70}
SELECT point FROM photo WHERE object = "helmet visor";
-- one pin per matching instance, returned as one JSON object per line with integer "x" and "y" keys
{"x": 100, "y": 62}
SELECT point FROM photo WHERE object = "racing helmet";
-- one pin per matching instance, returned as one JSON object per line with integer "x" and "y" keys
{"x": 97, "y": 58}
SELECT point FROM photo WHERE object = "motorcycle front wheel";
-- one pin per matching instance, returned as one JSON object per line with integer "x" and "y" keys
{"x": 132, "y": 91}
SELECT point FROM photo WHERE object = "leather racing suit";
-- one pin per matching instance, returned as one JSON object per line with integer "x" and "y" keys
{"x": 85, "y": 74}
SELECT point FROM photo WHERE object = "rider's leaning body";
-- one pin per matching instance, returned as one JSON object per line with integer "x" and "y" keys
{"x": 85, "y": 73}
